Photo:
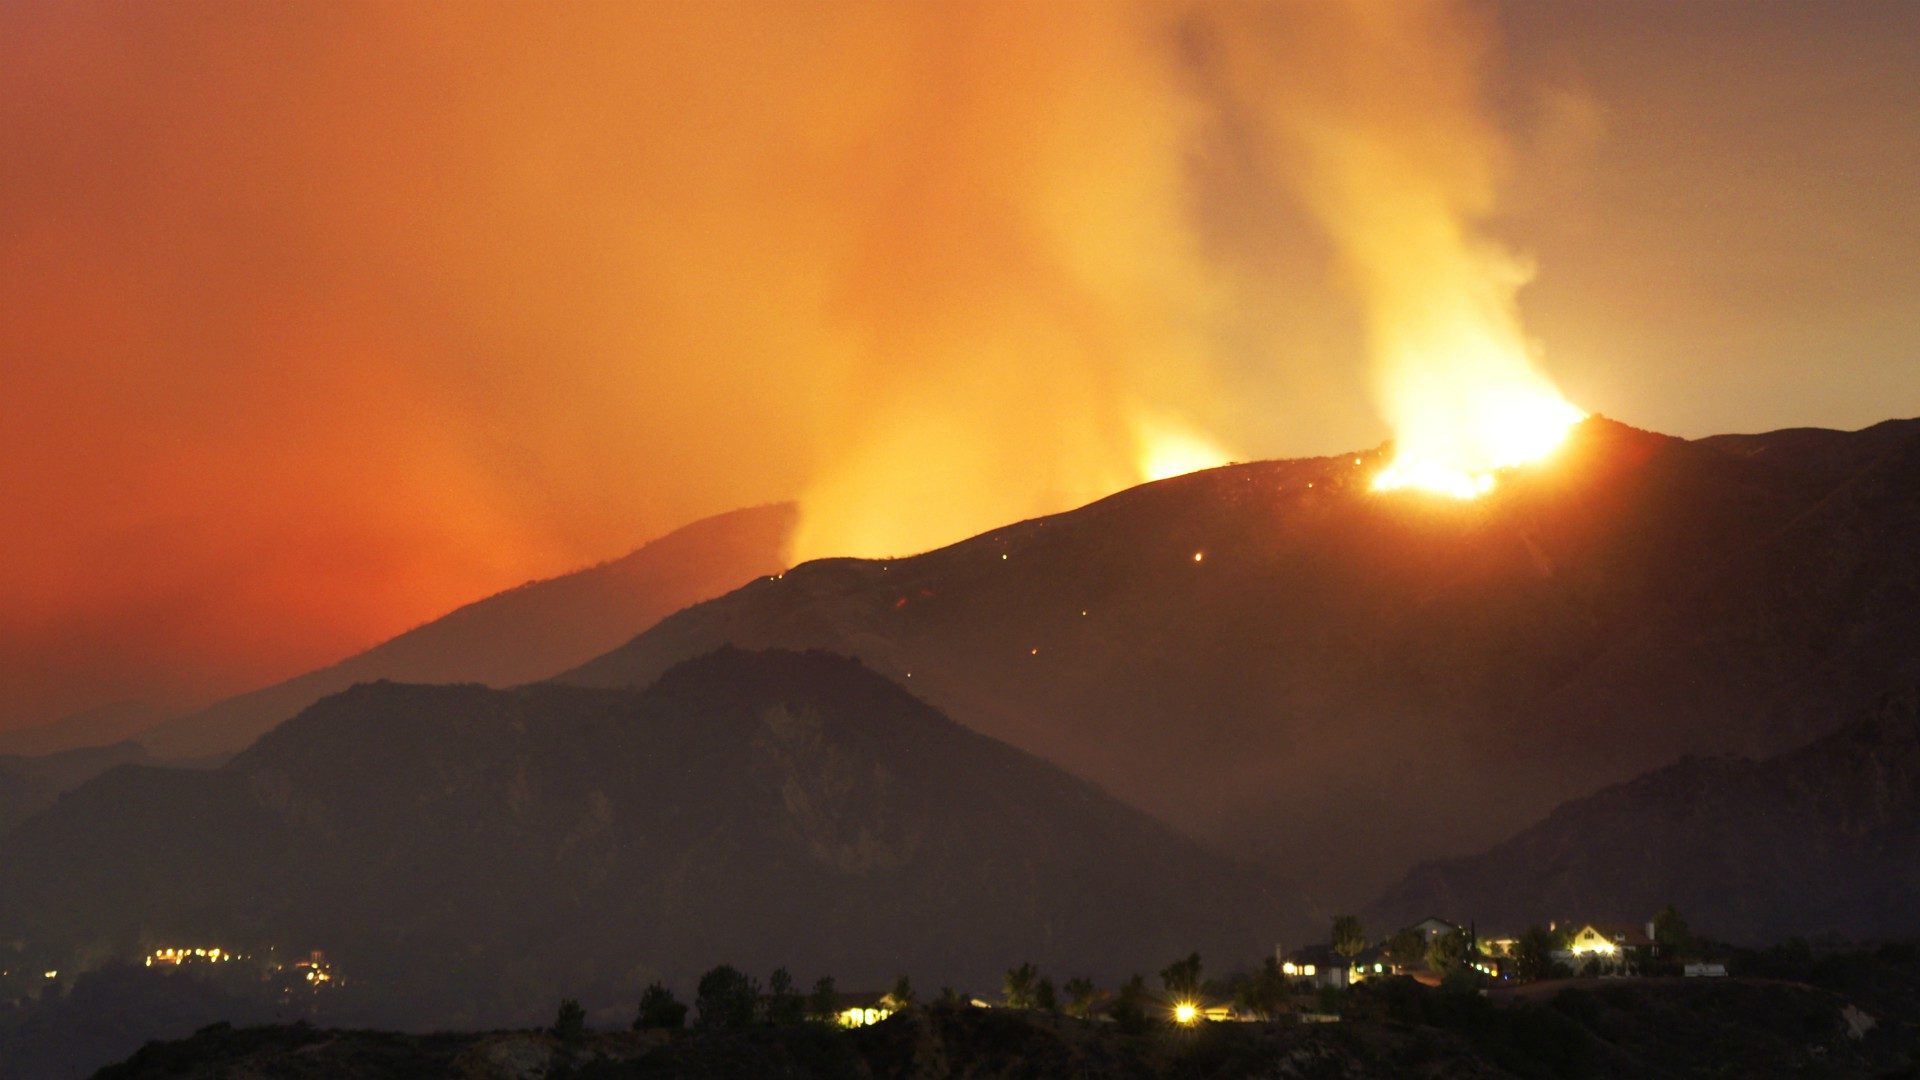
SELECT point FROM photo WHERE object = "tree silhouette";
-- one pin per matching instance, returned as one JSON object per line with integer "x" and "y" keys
{"x": 1349, "y": 937}
{"x": 1080, "y": 994}
{"x": 824, "y": 1002}
{"x": 901, "y": 995}
{"x": 570, "y": 1025}
{"x": 1265, "y": 992}
{"x": 1670, "y": 931}
{"x": 725, "y": 998}
{"x": 1182, "y": 977}
{"x": 1130, "y": 1007}
{"x": 1407, "y": 947}
{"x": 1019, "y": 986}
{"x": 659, "y": 1009}
{"x": 1446, "y": 952}
{"x": 1533, "y": 953}
{"x": 1044, "y": 997}
{"x": 784, "y": 1003}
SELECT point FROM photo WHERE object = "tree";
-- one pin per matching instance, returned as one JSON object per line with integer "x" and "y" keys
{"x": 1264, "y": 993}
{"x": 1044, "y": 997}
{"x": 1670, "y": 932}
{"x": 725, "y": 998}
{"x": 784, "y": 1003}
{"x": 1080, "y": 996}
{"x": 570, "y": 1026}
{"x": 824, "y": 1002}
{"x": 1349, "y": 937}
{"x": 901, "y": 995}
{"x": 1130, "y": 1007}
{"x": 1019, "y": 986}
{"x": 1533, "y": 953}
{"x": 1407, "y": 947}
{"x": 1446, "y": 952}
{"x": 659, "y": 1009}
{"x": 1182, "y": 977}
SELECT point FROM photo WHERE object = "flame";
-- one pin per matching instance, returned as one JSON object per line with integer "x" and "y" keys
{"x": 1375, "y": 110}
{"x": 1454, "y": 445}
{"x": 1167, "y": 447}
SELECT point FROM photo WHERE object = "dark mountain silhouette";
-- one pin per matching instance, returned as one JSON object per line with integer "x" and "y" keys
{"x": 468, "y": 855}
{"x": 1340, "y": 682}
{"x": 29, "y": 785}
{"x": 99, "y": 726}
{"x": 1824, "y": 840}
{"x": 522, "y": 634}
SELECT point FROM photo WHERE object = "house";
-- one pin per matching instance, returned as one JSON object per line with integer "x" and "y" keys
{"x": 1611, "y": 940}
{"x": 1612, "y": 948}
{"x": 1374, "y": 962}
{"x": 859, "y": 1010}
{"x": 1318, "y": 965}
{"x": 1433, "y": 926}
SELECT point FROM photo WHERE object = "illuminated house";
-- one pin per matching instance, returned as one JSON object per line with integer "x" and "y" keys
{"x": 1613, "y": 946}
{"x": 859, "y": 1010}
{"x": 1317, "y": 965}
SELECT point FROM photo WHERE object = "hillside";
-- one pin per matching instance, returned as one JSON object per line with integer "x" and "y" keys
{"x": 1653, "y": 1028}
{"x": 519, "y": 635}
{"x": 99, "y": 726}
{"x": 1824, "y": 840}
{"x": 29, "y": 785}
{"x": 467, "y": 855}
{"x": 1340, "y": 683}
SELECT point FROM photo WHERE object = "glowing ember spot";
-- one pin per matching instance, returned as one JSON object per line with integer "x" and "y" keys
{"x": 1199, "y": 556}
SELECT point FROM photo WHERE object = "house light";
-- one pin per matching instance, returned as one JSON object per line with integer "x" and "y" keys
{"x": 1289, "y": 969}
{"x": 1307, "y": 970}
{"x": 1185, "y": 1012}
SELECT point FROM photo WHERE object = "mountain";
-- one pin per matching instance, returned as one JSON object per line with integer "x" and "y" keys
{"x": 1340, "y": 682}
{"x": 1824, "y": 840}
{"x": 99, "y": 726}
{"x": 517, "y": 636}
{"x": 469, "y": 855}
{"x": 29, "y": 785}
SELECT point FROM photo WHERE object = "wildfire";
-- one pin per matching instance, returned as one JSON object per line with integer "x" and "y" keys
{"x": 1166, "y": 448}
{"x": 1456, "y": 447}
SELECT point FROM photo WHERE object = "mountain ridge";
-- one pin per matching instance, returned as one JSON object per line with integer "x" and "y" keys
{"x": 516, "y": 635}
{"x": 1823, "y": 840}
{"x": 469, "y": 854}
{"x": 1585, "y": 620}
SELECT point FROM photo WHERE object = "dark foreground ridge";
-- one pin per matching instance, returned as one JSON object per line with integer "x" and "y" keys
{"x": 1600, "y": 1030}
{"x": 466, "y": 856}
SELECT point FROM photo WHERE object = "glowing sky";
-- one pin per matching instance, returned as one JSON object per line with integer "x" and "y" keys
{"x": 318, "y": 319}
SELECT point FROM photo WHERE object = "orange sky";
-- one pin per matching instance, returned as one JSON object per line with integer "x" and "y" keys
{"x": 321, "y": 319}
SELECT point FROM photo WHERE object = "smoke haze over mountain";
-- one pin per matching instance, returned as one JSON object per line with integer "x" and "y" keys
{"x": 325, "y": 320}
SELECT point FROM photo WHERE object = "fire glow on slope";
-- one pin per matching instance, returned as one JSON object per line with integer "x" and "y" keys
{"x": 1166, "y": 448}
{"x": 1453, "y": 438}
{"x": 1374, "y": 108}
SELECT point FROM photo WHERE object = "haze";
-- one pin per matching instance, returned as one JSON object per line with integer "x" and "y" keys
{"x": 322, "y": 319}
